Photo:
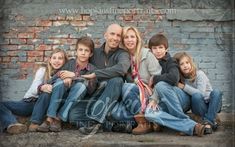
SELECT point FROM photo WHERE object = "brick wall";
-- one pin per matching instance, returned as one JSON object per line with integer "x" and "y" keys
{"x": 31, "y": 29}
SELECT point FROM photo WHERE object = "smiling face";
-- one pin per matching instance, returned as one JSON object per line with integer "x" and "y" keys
{"x": 83, "y": 53}
{"x": 57, "y": 60}
{"x": 159, "y": 51}
{"x": 130, "y": 41}
{"x": 185, "y": 66}
{"x": 113, "y": 36}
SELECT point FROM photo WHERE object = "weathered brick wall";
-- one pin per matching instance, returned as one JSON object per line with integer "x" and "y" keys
{"x": 31, "y": 29}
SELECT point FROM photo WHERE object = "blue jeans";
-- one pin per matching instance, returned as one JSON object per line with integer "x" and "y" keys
{"x": 174, "y": 102}
{"x": 185, "y": 125}
{"x": 76, "y": 92}
{"x": 129, "y": 105}
{"x": 172, "y": 99}
{"x": 100, "y": 106}
{"x": 9, "y": 109}
{"x": 40, "y": 108}
{"x": 207, "y": 110}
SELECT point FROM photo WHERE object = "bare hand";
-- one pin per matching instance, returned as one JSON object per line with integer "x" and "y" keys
{"x": 66, "y": 74}
{"x": 90, "y": 76}
{"x": 180, "y": 85}
{"x": 153, "y": 105}
{"x": 68, "y": 82}
{"x": 46, "y": 88}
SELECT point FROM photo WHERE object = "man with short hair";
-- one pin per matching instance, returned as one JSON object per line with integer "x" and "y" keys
{"x": 112, "y": 64}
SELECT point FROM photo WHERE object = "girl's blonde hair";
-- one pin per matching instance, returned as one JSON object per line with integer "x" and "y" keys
{"x": 139, "y": 45}
{"x": 49, "y": 69}
{"x": 192, "y": 75}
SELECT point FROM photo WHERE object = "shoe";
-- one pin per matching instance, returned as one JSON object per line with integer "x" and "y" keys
{"x": 156, "y": 127}
{"x": 143, "y": 125}
{"x": 208, "y": 127}
{"x": 44, "y": 127}
{"x": 90, "y": 130}
{"x": 199, "y": 130}
{"x": 122, "y": 127}
{"x": 17, "y": 128}
{"x": 33, "y": 127}
{"x": 55, "y": 126}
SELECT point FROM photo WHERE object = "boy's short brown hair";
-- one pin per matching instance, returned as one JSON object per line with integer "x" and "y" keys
{"x": 87, "y": 41}
{"x": 158, "y": 39}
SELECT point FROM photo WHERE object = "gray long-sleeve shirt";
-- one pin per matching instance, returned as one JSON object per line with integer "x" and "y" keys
{"x": 200, "y": 85}
{"x": 114, "y": 64}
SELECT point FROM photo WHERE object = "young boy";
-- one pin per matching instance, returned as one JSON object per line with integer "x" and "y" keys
{"x": 70, "y": 84}
{"x": 173, "y": 102}
{"x": 170, "y": 72}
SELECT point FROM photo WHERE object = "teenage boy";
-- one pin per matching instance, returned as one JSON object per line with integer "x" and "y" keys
{"x": 173, "y": 102}
{"x": 72, "y": 85}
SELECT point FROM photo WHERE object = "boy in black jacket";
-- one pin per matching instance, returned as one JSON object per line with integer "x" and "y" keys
{"x": 173, "y": 101}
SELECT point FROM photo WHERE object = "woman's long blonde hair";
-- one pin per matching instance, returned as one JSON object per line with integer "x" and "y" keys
{"x": 49, "y": 69}
{"x": 192, "y": 75}
{"x": 139, "y": 45}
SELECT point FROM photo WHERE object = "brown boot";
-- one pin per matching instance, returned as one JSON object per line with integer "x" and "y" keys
{"x": 156, "y": 127}
{"x": 199, "y": 130}
{"x": 143, "y": 125}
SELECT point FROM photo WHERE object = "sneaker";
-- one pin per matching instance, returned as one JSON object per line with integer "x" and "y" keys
{"x": 90, "y": 130}
{"x": 17, "y": 128}
{"x": 33, "y": 127}
{"x": 122, "y": 127}
{"x": 44, "y": 127}
{"x": 55, "y": 126}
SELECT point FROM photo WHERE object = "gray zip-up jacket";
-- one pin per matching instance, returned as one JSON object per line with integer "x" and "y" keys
{"x": 114, "y": 64}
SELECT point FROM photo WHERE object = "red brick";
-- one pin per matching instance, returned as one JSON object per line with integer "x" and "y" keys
{"x": 13, "y": 53}
{"x": 60, "y": 41}
{"x": 43, "y": 23}
{"x": 78, "y": 23}
{"x": 61, "y": 17}
{"x": 9, "y": 35}
{"x": 9, "y": 47}
{"x": 35, "y": 53}
{"x": 128, "y": 17}
{"x": 59, "y": 23}
{"x": 4, "y": 41}
{"x": 35, "y": 29}
{"x": 57, "y": 18}
{"x": 35, "y": 59}
{"x": 90, "y": 23}
{"x": 18, "y": 41}
{"x": 26, "y": 35}
{"x": 26, "y": 47}
{"x": 14, "y": 59}
{"x": 86, "y": 17}
{"x": 70, "y": 18}
{"x": 78, "y": 17}
{"x": 34, "y": 41}
{"x": 26, "y": 65}
{"x": 43, "y": 47}
{"x": 6, "y": 59}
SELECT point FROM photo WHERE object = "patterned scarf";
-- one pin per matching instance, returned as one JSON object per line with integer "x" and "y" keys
{"x": 144, "y": 89}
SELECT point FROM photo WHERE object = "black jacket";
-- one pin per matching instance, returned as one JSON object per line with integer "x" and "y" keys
{"x": 170, "y": 71}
